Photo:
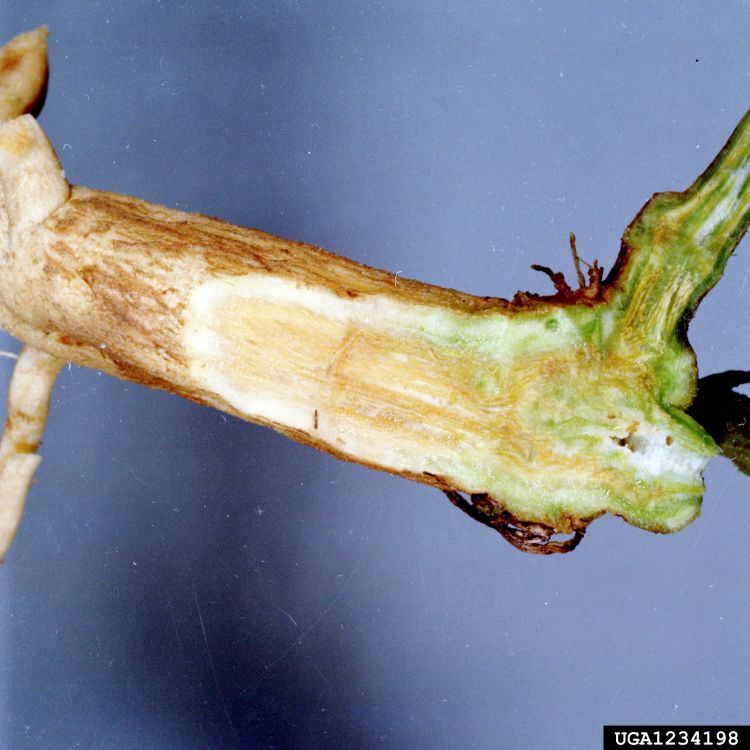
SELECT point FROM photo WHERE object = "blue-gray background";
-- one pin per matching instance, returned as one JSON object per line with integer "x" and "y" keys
{"x": 185, "y": 580}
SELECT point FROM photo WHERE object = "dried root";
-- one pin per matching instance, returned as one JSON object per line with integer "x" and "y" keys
{"x": 535, "y": 538}
{"x": 587, "y": 291}
{"x": 28, "y": 402}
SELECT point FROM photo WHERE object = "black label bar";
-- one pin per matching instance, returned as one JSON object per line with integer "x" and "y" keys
{"x": 675, "y": 736}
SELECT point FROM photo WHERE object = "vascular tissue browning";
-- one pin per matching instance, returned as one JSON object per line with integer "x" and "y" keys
{"x": 534, "y": 415}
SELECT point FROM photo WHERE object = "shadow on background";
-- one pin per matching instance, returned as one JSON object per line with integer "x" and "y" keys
{"x": 725, "y": 414}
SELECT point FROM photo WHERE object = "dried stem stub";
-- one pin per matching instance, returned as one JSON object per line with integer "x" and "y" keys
{"x": 23, "y": 79}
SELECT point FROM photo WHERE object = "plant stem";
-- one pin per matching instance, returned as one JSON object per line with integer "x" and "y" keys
{"x": 546, "y": 411}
